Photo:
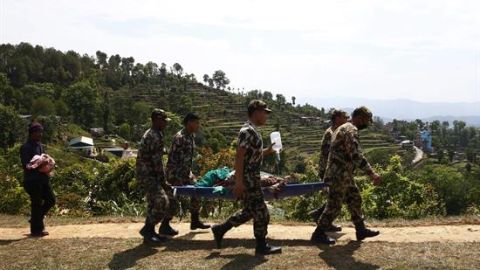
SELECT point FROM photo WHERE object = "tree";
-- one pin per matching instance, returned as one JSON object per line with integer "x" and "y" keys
{"x": 377, "y": 124}
{"x": 293, "y": 100}
{"x": 267, "y": 96}
{"x": 140, "y": 112}
{"x": 451, "y": 155}
{"x": 440, "y": 155}
{"x": 30, "y": 92}
{"x": 220, "y": 79}
{"x": 127, "y": 64}
{"x": 114, "y": 62}
{"x": 138, "y": 116}
{"x": 206, "y": 78}
{"x": 72, "y": 65}
{"x": 177, "y": 69}
{"x": 163, "y": 74}
{"x": 43, "y": 106}
{"x": 106, "y": 109}
{"x": 61, "y": 108}
{"x": 138, "y": 74}
{"x": 151, "y": 70}
{"x": 210, "y": 82}
{"x": 6, "y": 91}
{"x": 420, "y": 124}
{"x": 471, "y": 155}
{"x": 281, "y": 100}
{"x": 82, "y": 101}
{"x": 101, "y": 59}
{"x": 125, "y": 131}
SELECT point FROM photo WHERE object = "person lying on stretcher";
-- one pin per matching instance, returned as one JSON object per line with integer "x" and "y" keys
{"x": 223, "y": 180}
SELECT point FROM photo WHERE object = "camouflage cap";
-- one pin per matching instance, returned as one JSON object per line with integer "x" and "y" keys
{"x": 362, "y": 111}
{"x": 159, "y": 113}
{"x": 258, "y": 105}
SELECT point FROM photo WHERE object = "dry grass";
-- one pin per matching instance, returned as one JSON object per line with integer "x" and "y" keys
{"x": 184, "y": 253}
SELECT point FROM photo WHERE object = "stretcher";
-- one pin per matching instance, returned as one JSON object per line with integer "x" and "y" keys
{"x": 289, "y": 190}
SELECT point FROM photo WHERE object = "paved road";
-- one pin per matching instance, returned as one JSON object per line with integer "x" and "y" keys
{"x": 418, "y": 155}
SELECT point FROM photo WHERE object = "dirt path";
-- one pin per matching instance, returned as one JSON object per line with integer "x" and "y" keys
{"x": 447, "y": 233}
{"x": 418, "y": 155}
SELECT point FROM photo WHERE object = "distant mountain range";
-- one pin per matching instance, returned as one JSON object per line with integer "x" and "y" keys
{"x": 405, "y": 109}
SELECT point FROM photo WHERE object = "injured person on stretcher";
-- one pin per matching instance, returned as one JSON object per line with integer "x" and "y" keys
{"x": 223, "y": 180}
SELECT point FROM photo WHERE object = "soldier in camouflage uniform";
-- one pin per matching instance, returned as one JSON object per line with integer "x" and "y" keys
{"x": 150, "y": 176}
{"x": 248, "y": 160}
{"x": 345, "y": 156}
{"x": 337, "y": 118}
{"x": 179, "y": 169}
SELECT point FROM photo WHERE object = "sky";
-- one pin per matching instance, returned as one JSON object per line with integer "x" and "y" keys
{"x": 420, "y": 50}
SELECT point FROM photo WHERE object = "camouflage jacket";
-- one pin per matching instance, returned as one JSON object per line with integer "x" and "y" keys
{"x": 150, "y": 157}
{"x": 345, "y": 154}
{"x": 251, "y": 140}
{"x": 180, "y": 158}
{"x": 324, "y": 150}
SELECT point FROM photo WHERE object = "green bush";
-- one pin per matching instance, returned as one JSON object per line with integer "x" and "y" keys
{"x": 13, "y": 199}
{"x": 398, "y": 195}
{"x": 458, "y": 188}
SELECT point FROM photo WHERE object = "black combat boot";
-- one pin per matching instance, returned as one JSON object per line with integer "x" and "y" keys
{"x": 363, "y": 232}
{"x": 149, "y": 235}
{"x": 166, "y": 229}
{"x": 315, "y": 215}
{"x": 196, "y": 223}
{"x": 263, "y": 248}
{"x": 333, "y": 228}
{"x": 320, "y": 237}
{"x": 219, "y": 231}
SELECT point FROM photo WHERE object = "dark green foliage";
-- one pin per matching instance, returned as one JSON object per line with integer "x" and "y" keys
{"x": 456, "y": 186}
{"x": 13, "y": 199}
{"x": 82, "y": 100}
{"x": 399, "y": 195}
{"x": 12, "y": 129}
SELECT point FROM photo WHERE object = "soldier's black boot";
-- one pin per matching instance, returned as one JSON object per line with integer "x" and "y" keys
{"x": 166, "y": 229}
{"x": 363, "y": 232}
{"x": 196, "y": 223}
{"x": 263, "y": 248}
{"x": 315, "y": 215}
{"x": 149, "y": 235}
{"x": 333, "y": 228}
{"x": 219, "y": 231}
{"x": 320, "y": 237}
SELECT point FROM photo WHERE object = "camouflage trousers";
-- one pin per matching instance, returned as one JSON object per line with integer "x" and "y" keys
{"x": 160, "y": 202}
{"x": 341, "y": 191}
{"x": 194, "y": 200}
{"x": 254, "y": 207}
{"x": 194, "y": 205}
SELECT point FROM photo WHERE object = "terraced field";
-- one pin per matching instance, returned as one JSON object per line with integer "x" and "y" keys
{"x": 226, "y": 112}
